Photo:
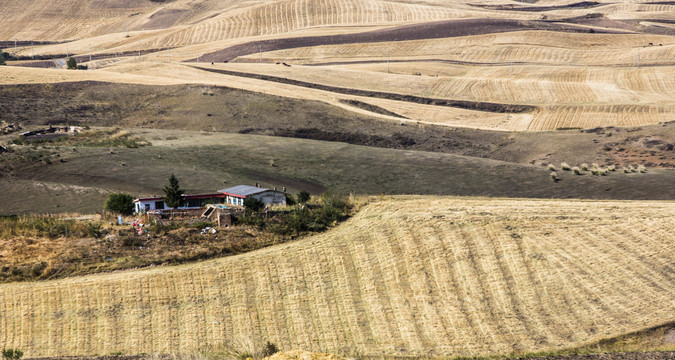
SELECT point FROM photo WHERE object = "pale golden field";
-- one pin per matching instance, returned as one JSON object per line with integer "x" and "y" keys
{"x": 574, "y": 79}
{"x": 406, "y": 275}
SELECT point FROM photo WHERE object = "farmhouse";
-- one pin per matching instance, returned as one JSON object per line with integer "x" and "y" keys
{"x": 232, "y": 196}
{"x": 189, "y": 202}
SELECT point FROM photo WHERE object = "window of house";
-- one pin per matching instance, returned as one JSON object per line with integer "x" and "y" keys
{"x": 159, "y": 205}
{"x": 147, "y": 207}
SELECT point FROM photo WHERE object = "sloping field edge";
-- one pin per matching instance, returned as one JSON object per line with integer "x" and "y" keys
{"x": 618, "y": 343}
{"x": 462, "y": 104}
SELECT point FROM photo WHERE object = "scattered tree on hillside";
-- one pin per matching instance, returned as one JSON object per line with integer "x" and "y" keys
{"x": 72, "y": 64}
{"x": 12, "y": 354}
{"x": 3, "y": 56}
{"x": 120, "y": 203}
{"x": 303, "y": 197}
{"x": 253, "y": 205}
{"x": 173, "y": 193}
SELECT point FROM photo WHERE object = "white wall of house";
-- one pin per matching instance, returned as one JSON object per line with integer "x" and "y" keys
{"x": 233, "y": 200}
{"x": 148, "y": 205}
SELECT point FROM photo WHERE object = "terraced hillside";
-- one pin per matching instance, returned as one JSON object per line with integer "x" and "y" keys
{"x": 406, "y": 275}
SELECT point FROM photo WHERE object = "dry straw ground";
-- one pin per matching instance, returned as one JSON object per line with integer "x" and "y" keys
{"x": 406, "y": 275}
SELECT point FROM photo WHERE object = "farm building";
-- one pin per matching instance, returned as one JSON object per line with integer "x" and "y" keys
{"x": 237, "y": 194}
{"x": 231, "y": 196}
{"x": 190, "y": 202}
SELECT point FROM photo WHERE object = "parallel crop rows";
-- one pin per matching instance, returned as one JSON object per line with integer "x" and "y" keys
{"x": 640, "y": 8}
{"x": 431, "y": 276}
{"x": 520, "y": 47}
{"x": 590, "y": 116}
{"x": 43, "y": 20}
{"x": 566, "y": 96}
{"x": 288, "y": 15}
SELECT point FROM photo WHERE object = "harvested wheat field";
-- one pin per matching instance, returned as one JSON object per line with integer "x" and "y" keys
{"x": 405, "y": 276}
{"x": 572, "y": 64}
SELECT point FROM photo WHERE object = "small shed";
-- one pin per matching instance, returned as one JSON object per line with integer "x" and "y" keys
{"x": 237, "y": 194}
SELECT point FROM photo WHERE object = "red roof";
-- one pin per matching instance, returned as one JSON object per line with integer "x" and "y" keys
{"x": 234, "y": 195}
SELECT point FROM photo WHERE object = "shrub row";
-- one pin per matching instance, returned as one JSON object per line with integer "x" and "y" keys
{"x": 300, "y": 219}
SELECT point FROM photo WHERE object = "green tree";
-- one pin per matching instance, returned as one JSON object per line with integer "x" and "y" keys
{"x": 253, "y": 205}
{"x": 3, "y": 56}
{"x": 120, "y": 203}
{"x": 12, "y": 354}
{"x": 72, "y": 64}
{"x": 173, "y": 193}
{"x": 303, "y": 197}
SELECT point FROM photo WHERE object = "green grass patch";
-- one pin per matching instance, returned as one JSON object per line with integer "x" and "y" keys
{"x": 92, "y": 138}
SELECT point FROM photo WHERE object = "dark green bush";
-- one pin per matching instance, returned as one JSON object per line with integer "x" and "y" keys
{"x": 12, "y": 354}
{"x": 303, "y": 197}
{"x": 3, "y": 57}
{"x": 313, "y": 218}
{"x": 253, "y": 205}
{"x": 120, "y": 203}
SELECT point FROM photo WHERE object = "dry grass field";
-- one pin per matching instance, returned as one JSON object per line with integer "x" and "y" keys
{"x": 395, "y": 97}
{"x": 405, "y": 276}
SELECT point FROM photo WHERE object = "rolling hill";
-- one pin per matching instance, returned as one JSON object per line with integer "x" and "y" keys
{"x": 405, "y": 101}
{"x": 579, "y": 64}
{"x": 405, "y": 276}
